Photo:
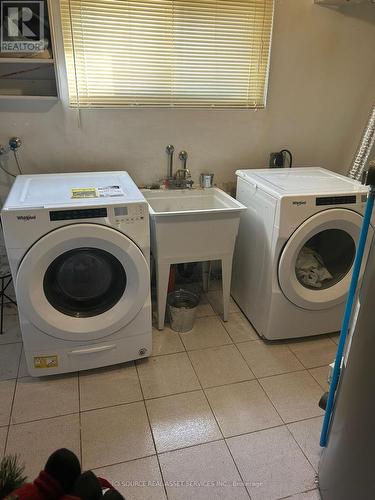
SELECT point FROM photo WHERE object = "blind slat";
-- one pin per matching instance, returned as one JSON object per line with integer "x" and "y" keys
{"x": 169, "y": 53}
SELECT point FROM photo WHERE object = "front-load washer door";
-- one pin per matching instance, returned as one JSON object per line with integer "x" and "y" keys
{"x": 82, "y": 282}
{"x": 315, "y": 265}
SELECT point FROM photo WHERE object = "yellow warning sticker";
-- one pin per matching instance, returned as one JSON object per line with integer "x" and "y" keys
{"x": 85, "y": 193}
{"x": 45, "y": 362}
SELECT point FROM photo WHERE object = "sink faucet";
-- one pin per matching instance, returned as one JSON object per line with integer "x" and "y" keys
{"x": 170, "y": 150}
{"x": 184, "y": 172}
{"x": 183, "y": 157}
{"x": 183, "y": 175}
{"x": 182, "y": 178}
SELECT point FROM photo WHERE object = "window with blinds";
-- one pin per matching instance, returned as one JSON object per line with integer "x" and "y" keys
{"x": 167, "y": 53}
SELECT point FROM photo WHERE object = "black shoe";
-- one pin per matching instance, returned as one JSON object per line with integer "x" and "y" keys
{"x": 87, "y": 487}
{"x": 112, "y": 495}
{"x": 64, "y": 466}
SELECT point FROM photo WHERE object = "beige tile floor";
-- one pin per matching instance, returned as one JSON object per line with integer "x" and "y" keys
{"x": 216, "y": 413}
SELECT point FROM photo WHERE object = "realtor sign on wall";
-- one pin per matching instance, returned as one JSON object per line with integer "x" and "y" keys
{"x": 22, "y": 26}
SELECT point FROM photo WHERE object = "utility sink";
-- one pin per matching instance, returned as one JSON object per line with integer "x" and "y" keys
{"x": 190, "y": 201}
{"x": 192, "y": 225}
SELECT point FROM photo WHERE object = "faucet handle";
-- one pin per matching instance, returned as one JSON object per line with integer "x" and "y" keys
{"x": 183, "y": 157}
{"x": 169, "y": 149}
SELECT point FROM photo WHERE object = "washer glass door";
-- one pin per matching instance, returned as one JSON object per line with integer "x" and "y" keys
{"x": 82, "y": 282}
{"x": 316, "y": 263}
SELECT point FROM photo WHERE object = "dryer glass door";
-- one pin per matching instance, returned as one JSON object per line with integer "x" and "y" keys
{"x": 316, "y": 263}
{"x": 82, "y": 282}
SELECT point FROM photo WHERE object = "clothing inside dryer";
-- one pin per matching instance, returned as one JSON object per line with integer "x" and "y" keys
{"x": 325, "y": 259}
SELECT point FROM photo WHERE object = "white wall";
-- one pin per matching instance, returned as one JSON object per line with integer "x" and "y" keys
{"x": 321, "y": 89}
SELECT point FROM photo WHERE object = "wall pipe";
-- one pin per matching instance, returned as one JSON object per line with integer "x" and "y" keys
{"x": 363, "y": 152}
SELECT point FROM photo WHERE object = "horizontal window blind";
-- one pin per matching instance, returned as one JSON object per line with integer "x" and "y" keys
{"x": 167, "y": 53}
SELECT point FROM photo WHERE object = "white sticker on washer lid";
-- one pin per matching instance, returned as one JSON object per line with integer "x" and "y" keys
{"x": 110, "y": 191}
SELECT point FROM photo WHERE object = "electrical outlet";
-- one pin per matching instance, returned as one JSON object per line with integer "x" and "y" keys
{"x": 277, "y": 160}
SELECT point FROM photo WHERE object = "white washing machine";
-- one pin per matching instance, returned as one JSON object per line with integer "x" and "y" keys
{"x": 78, "y": 246}
{"x": 295, "y": 249}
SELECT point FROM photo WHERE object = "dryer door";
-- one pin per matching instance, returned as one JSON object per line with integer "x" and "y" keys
{"x": 315, "y": 265}
{"x": 82, "y": 282}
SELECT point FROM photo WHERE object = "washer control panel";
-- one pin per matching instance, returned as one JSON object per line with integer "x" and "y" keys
{"x": 125, "y": 214}
{"x": 130, "y": 213}
{"x": 85, "y": 213}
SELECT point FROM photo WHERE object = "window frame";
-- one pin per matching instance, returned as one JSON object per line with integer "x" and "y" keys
{"x": 62, "y": 76}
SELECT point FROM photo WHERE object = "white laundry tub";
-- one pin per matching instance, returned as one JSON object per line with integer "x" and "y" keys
{"x": 191, "y": 226}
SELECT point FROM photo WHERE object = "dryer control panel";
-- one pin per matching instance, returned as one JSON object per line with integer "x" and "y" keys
{"x": 335, "y": 200}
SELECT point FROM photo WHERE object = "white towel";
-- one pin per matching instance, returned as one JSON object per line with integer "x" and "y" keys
{"x": 310, "y": 268}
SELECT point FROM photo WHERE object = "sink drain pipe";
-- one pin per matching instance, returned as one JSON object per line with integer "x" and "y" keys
{"x": 369, "y": 180}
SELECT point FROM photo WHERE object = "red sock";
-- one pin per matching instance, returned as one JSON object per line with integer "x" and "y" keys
{"x": 45, "y": 487}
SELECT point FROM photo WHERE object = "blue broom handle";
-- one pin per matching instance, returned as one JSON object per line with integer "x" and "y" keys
{"x": 347, "y": 315}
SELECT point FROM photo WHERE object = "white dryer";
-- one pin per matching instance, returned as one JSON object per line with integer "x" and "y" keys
{"x": 295, "y": 249}
{"x": 78, "y": 246}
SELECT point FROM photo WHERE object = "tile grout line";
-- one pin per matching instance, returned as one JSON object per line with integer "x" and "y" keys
{"x": 221, "y": 431}
{"x": 302, "y": 492}
{"x": 114, "y": 464}
{"x": 300, "y": 370}
{"x": 324, "y": 389}
{"x": 304, "y": 419}
{"x": 228, "y": 332}
{"x": 44, "y": 418}
{"x": 295, "y": 355}
{"x": 16, "y": 377}
{"x": 12, "y": 403}
{"x": 182, "y": 448}
{"x": 80, "y": 417}
{"x": 291, "y": 434}
{"x": 319, "y": 366}
{"x": 303, "y": 453}
{"x": 152, "y": 432}
{"x": 208, "y": 347}
{"x": 247, "y": 364}
{"x": 269, "y": 399}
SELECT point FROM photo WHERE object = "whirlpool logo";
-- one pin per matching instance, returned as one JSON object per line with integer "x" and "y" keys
{"x": 299, "y": 203}
{"x": 26, "y": 218}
